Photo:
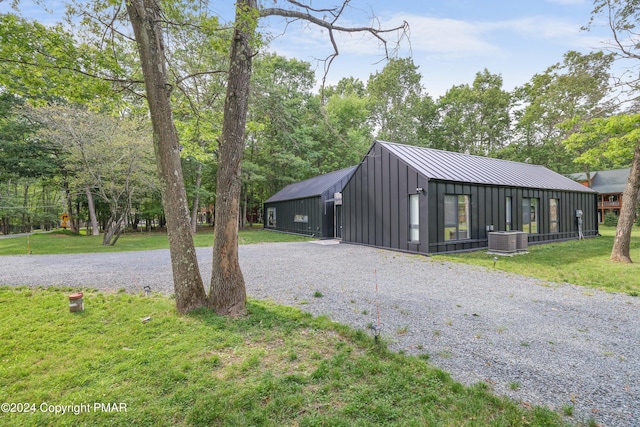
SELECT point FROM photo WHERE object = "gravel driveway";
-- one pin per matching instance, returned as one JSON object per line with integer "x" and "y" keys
{"x": 541, "y": 343}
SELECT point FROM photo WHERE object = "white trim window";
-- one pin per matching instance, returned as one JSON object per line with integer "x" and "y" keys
{"x": 456, "y": 217}
{"x": 508, "y": 210}
{"x": 414, "y": 217}
{"x": 271, "y": 217}
{"x": 530, "y": 216}
{"x": 554, "y": 217}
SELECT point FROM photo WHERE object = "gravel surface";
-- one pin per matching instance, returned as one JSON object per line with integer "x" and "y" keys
{"x": 539, "y": 343}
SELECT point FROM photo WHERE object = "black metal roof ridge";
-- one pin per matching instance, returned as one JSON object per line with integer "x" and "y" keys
{"x": 468, "y": 168}
{"x": 311, "y": 187}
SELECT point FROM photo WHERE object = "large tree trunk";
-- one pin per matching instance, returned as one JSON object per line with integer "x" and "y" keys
{"x": 228, "y": 294}
{"x": 622, "y": 242}
{"x": 95, "y": 228}
{"x": 145, "y": 19}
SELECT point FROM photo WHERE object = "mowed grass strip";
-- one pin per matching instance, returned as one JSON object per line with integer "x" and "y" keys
{"x": 274, "y": 367}
{"x": 579, "y": 262}
{"x": 65, "y": 242}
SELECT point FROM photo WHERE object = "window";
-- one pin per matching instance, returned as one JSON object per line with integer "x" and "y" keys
{"x": 271, "y": 217}
{"x": 554, "y": 226}
{"x": 456, "y": 217}
{"x": 301, "y": 218}
{"x": 530, "y": 216}
{"x": 414, "y": 217}
{"x": 508, "y": 213}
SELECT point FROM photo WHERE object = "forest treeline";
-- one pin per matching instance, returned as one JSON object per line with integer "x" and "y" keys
{"x": 75, "y": 136}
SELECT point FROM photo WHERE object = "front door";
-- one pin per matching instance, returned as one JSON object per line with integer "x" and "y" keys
{"x": 338, "y": 221}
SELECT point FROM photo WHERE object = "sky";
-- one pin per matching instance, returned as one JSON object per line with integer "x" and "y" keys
{"x": 449, "y": 40}
{"x": 452, "y": 40}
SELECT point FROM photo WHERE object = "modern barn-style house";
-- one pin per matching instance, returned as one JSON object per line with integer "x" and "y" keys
{"x": 311, "y": 207}
{"x": 431, "y": 201}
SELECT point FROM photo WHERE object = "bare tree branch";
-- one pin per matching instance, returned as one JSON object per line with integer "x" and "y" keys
{"x": 331, "y": 27}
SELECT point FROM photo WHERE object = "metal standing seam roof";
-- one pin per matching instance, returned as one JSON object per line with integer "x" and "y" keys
{"x": 311, "y": 187}
{"x": 605, "y": 182}
{"x": 466, "y": 168}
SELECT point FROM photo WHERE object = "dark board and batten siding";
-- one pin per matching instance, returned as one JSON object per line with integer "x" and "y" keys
{"x": 376, "y": 200}
{"x": 488, "y": 207}
{"x": 311, "y": 207}
{"x": 376, "y": 203}
{"x": 313, "y": 200}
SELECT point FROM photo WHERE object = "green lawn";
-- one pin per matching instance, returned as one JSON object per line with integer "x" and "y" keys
{"x": 275, "y": 367}
{"x": 65, "y": 242}
{"x": 581, "y": 262}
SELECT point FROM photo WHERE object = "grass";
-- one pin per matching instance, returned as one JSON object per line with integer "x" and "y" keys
{"x": 276, "y": 366}
{"x": 580, "y": 262}
{"x": 65, "y": 242}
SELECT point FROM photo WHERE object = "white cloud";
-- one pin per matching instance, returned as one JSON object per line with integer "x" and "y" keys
{"x": 449, "y": 51}
{"x": 447, "y": 36}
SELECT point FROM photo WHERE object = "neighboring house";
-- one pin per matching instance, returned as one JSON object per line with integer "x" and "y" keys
{"x": 609, "y": 185}
{"x": 311, "y": 207}
{"x": 431, "y": 201}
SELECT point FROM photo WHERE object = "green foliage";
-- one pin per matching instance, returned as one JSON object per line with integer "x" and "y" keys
{"x": 276, "y": 366}
{"x": 611, "y": 219}
{"x": 475, "y": 118}
{"x": 43, "y": 62}
{"x": 395, "y": 94}
{"x": 281, "y": 147}
{"x": 612, "y": 139}
{"x": 555, "y": 103}
{"x": 343, "y": 133}
{"x": 22, "y": 154}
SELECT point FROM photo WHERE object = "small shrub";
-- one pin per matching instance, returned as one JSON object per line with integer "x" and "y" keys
{"x": 568, "y": 410}
{"x": 317, "y": 294}
{"x": 611, "y": 220}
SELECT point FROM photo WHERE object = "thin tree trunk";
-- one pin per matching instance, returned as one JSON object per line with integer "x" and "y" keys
{"x": 145, "y": 17}
{"x": 114, "y": 229}
{"x": 95, "y": 228}
{"x": 69, "y": 207}
{"x": 25, "y": 205}
{"x": 243, "y": 217}
{"x": 622, "y": 242}
{"x": 196, "y": 200}
{"x": 228, "y": 294}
